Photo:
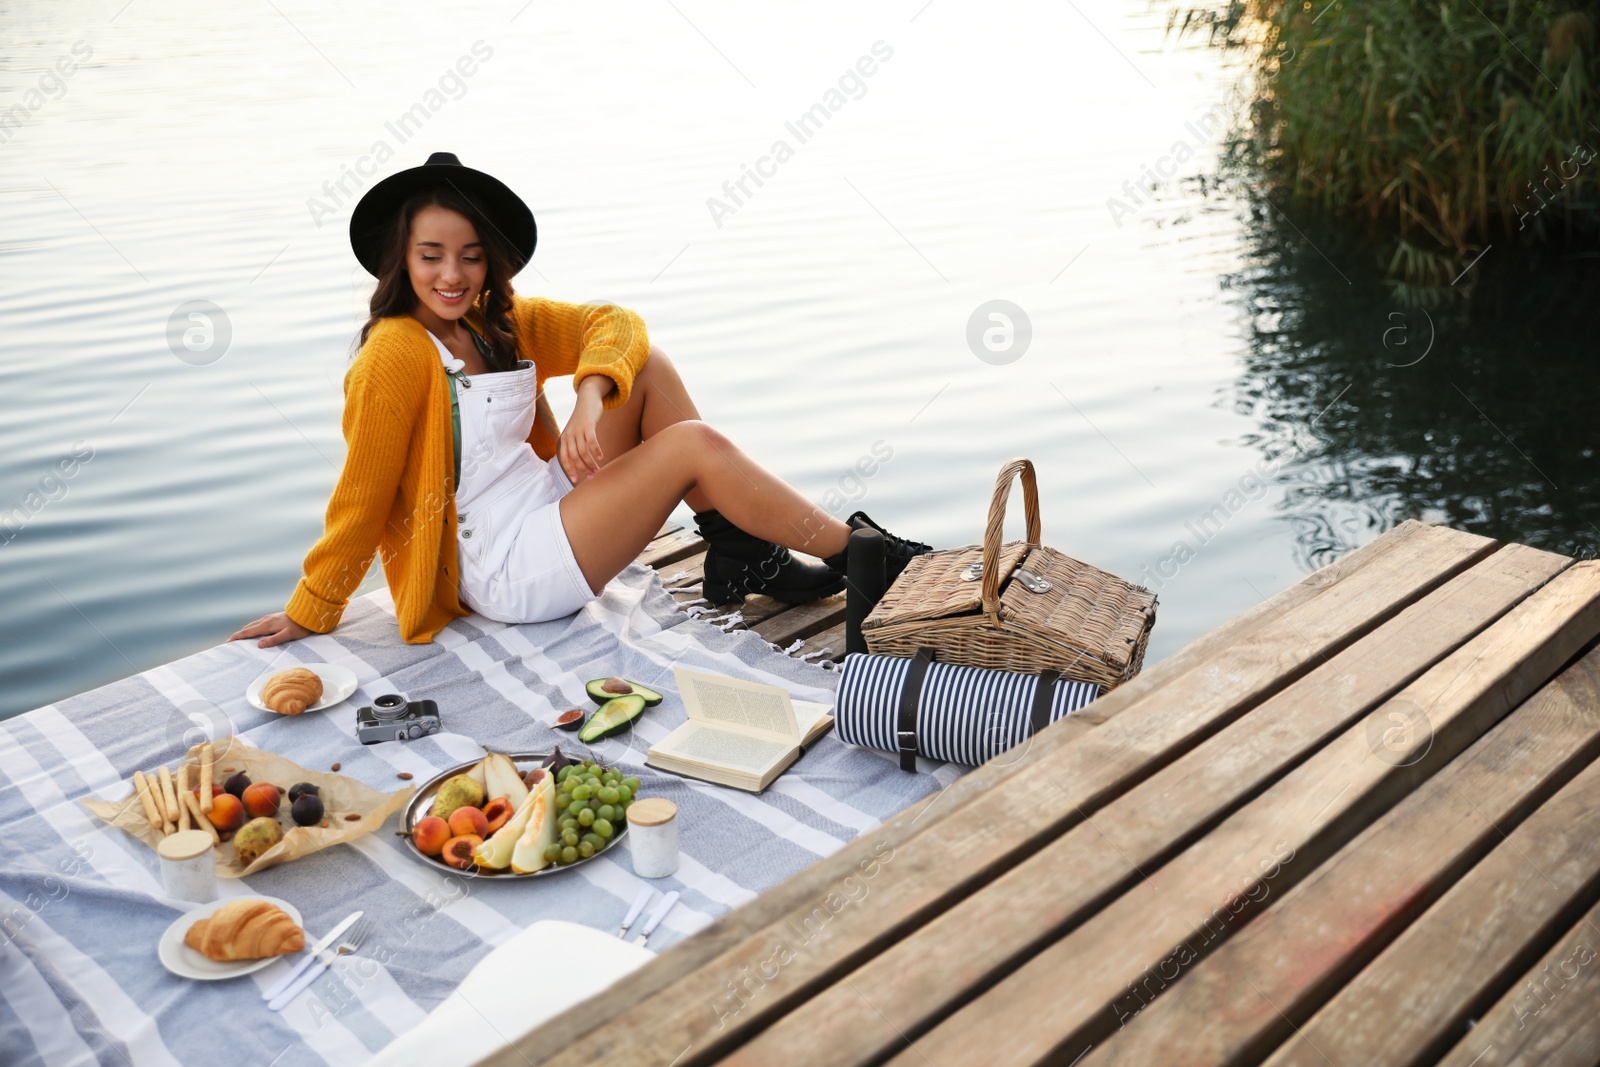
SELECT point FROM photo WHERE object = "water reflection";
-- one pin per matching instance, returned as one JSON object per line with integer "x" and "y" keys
{"x": 1478, "y": 414}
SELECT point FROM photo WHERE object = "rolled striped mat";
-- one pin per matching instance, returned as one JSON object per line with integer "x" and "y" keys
{"x": 965, "y": 715}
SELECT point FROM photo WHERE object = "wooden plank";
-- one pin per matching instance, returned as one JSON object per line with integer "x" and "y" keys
{"x": 1241, "y": 1002}
{"x": 687, "y": 588}
{"x": 671, "y": 548}
{"x": 757, "y": 609}
{"x": 803, "y": 620}
{"x": 1551, "y": 1017}
{"x": 1220, "y": 675}
{"x": 1414, "y": 1000}
{"x": 831, "y": 639}
{"x": 1077, "y": 991}
{"x": 867, "y": 1015}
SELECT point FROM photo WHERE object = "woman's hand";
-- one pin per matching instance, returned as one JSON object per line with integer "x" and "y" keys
{"x": 273, "y": 630}
{"x": 579, "y": 447}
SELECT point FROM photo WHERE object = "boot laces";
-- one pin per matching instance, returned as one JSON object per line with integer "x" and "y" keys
{"x": 895, "y": 546}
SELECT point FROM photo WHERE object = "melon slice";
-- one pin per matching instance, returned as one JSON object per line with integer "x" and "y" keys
{"x": 539, "y": 833}
{"x": 496, "y": 852}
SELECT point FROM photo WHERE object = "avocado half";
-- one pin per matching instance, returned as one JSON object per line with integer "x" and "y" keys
{"x": 599, "y": 694}
{"x": 612, "y": 717}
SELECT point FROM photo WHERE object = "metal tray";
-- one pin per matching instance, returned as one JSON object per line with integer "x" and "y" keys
{"x": 423, "y": 799}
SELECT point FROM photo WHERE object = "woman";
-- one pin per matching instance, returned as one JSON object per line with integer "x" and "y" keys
{"x": 446, "y": 423}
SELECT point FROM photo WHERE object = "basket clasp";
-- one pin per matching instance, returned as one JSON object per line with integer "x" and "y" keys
{"x": 1030, "y": 581}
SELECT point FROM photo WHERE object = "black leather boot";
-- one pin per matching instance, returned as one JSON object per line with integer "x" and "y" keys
{"x": 897, "y": 551}
{"x": 738, "y": 564}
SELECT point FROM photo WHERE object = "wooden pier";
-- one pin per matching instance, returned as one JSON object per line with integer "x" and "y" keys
{"x": 1359, "y": 824}
{"x": 677, "y": 550}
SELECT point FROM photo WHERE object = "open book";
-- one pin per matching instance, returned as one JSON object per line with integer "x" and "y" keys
{"x": 740, "y": 734}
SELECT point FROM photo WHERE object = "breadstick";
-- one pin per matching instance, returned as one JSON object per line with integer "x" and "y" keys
{"x": 183, "y": 791}
{"x": 152, "y": 811}
{"x": 168, "y": 794}
{"x": 200, "y": 820}
{"x": 207, "y": 758}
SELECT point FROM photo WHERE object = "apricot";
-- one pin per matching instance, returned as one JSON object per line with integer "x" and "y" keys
{"x": 468, "y": 820}
{"x": 216, "y": 791}
{"x": 260, "y": 800}
{"x": 226, "y": 812}
{"x": 458, "y": 850}
{"x": 496, "y": 813}
{"x": 430, "y": 835}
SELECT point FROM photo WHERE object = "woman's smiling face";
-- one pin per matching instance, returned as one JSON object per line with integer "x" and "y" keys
{"x": 446, "y": 261}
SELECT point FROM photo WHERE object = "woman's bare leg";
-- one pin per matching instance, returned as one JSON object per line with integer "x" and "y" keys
{"x": 610, "y": 517}
{"x": 657, "y": 400}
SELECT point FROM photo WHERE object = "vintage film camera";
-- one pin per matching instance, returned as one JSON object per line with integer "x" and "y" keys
{"x": 392, "y": 717}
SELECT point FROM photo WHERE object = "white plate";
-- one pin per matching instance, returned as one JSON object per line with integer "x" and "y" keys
{"x": 185, "y": 962}
{"x": 337, "y": 684}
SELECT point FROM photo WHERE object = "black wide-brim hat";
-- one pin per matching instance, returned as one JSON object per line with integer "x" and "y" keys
{"x": 374, "y": 214}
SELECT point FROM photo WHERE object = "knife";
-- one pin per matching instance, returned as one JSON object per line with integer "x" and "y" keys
{"x": 656, "y": 916}
{"x": 633, "y": 913}
{"x": 283, "y": 983}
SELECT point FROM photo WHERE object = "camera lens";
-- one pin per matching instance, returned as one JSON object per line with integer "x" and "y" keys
{"x": 389, "y": 706}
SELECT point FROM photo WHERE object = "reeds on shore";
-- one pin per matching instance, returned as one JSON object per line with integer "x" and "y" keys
{"x": 1447, "y": 125}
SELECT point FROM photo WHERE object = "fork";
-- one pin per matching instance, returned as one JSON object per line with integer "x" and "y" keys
{"x": 351, "y": 943}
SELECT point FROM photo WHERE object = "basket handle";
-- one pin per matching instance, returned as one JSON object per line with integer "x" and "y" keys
{"x": 997, "y": 518}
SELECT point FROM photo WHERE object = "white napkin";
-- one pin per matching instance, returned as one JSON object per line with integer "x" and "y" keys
{"x": 539, "y": 973}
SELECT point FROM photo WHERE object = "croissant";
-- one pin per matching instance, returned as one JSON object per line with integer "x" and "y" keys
{"x": 245, "y": 930}
{"x": 293, "y": 691}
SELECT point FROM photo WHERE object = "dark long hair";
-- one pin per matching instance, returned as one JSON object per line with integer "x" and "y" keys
{"x": 395, "y": 295}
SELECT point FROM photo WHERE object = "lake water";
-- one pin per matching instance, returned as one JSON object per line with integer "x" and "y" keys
{"x": 1218, "y": 399}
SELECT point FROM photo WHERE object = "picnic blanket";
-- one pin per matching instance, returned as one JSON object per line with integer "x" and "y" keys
{"x": 81, "y": 905}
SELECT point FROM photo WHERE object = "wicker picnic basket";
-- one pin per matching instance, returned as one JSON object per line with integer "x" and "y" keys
{"x": 1019, "y": 606}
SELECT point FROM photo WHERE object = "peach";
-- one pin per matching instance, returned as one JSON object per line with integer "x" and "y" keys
{"x": 497, "y": 813}
{"x": 430, "y": 835}
{"x": 216, "y": 791}
{"x": 468, "y": 820}
{"x": 459, "y": 849}
{"x": 226, "y": 813}
{"x": 260, "y": 800}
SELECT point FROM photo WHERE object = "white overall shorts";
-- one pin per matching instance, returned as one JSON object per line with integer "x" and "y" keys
{"x": 516, "y": 563}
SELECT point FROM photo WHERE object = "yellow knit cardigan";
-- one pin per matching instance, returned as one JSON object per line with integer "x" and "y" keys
{"x": 396, "y": 496}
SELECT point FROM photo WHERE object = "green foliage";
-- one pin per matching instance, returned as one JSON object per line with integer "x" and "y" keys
{"x": 1445, "y": 124}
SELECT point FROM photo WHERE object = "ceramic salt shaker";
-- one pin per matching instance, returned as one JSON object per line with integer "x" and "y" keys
{"x": 653, "y": 833}
{"x": 188, "y": 869}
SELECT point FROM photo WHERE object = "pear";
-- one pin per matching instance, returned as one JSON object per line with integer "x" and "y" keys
{"x": 496, "y": 852}
{"x": 540, "y": 831}
{"x": 459, "y": 791}
{"x": 502, "y": 779}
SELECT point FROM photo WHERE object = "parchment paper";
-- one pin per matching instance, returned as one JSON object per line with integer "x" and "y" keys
{"x": 340, "y": 795}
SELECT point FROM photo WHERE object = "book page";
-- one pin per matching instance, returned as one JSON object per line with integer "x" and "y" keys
{"x": 807, "y": 712}
{"x": 734, "y": 702}
{"x": 724, "y": 748}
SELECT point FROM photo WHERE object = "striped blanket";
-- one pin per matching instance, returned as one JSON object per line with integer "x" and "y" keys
{"x": 81, "y": 905}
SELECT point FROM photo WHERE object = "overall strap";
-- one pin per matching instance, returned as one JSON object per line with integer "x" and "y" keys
{"x": 455, "y": 427}
{"x": 455, "y": 403}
